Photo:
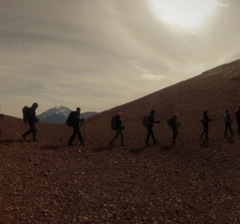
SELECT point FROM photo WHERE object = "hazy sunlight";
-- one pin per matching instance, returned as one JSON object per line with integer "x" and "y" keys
{"x": 184, "y": 13}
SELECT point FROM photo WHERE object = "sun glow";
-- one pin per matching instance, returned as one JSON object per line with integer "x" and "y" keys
{"x": 184, "y": 13}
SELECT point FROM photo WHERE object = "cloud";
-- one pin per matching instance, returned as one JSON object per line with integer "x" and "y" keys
{"x": 152, "y": 77}
{"x": 100, "y": 55}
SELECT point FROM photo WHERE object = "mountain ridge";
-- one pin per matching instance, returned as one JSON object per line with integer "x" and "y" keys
{"x": 59, "y": 115}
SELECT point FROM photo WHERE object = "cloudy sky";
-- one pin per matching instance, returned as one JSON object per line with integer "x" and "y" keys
{"x": 98, "y": 54}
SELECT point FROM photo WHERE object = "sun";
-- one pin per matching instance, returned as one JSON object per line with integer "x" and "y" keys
{"x": 184, "y": 13}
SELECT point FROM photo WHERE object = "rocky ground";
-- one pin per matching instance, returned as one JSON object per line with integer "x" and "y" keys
{"x": 193, "y": 181}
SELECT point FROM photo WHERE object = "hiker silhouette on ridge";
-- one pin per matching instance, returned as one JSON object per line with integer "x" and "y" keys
{"x": 151, "y": 123}
{"x": 228, "y": 121}
{"x": 75, "y": 124}
{"x": 117, "y": 125}
{"x": 237, "y": 115}
{"x": 31, "y": 120}
{"x": 205, "y": 120}
{"x": 175, "y": 125}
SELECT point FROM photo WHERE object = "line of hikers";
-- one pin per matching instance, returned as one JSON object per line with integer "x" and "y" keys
{"x": 29, "y": 116}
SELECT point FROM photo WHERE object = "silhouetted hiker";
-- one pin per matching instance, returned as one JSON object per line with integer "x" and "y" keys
{"x": 116, "y": 124}
{"x": 173, "y": 123}
{"x": 151, "y": 123}
{"x": 205, "y": 120}
{"x": 237, "y": 114}
{"x": 228, "y": 121}
{"x": 30, "y": 117}
{"x": 75, "y": 124}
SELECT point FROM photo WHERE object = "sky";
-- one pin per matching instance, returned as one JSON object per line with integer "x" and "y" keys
{"x": 98, "y": 54}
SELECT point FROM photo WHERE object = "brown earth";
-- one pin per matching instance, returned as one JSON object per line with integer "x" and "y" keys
{"x": 193, "y": 181}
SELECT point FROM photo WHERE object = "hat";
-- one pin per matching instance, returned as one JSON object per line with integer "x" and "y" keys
{"x": 35, "y": 105}
{"x": 227, "y": 110}
{"x": 119, "y": 114}
{"x": 152, "y": 111}
{"x": 175, "y": 115}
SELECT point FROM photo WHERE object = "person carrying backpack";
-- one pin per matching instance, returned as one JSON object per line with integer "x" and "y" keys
{"x": 228, "y": 121}
{"x": 174, "y": 125}
{"x": 31, "y": 119}
{"x": 75, "y": 124}
{"x": 205, "y": 120}
{"x": 237, "y": 115}
{"x": 117, "y": 125}
{"x": 151, "y": 123}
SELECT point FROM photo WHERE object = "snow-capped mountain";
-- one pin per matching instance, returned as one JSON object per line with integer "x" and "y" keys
{"x": 59, "y": 115}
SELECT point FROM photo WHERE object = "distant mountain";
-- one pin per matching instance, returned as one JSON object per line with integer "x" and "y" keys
{"x": 59, "y": 114}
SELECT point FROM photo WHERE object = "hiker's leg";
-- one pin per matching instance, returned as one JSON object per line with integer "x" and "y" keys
{"x": 73, "y": 135}
{"x": 153, "y": 137}
{"x": 238, "y": 122}
{"x": 34, "y": 131}
{"x": 175, "y": 132}
{"x": 31, "y": 126}
{"x": 79, "y": 135}
{"x": 148, "y": 134}
{"x": 203, "y": 130}
{"x": 230, "y": 128}
{"x": 206, "y": 130}
{"x": 226, "y": 128}
{"x": 121, "y": 133}
{"x": 117, "y": 134}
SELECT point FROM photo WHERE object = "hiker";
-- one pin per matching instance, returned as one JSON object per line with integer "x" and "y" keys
{"x": 205, "y": 120}
{"x": 31, "y": 119}
{"x": 117, "y": 125}
{"x": 237, "y": 114}
{"x": 228, "y": 121}
{"x": 151, "y": 123}
{"x": 175, "y": 125}
{"x": 75, "y": 124}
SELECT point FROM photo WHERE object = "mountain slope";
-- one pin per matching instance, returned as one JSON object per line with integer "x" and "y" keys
{"x": 193, "y": 181}
{"x": 214, "y": 90}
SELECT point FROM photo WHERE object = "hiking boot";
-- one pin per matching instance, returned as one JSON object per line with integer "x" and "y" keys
{"x": 156, "y": 142}
{"x": 110, "y": 143}
{"x": 82, "y": 143}
{"x": 24, "y": 137}
{"x": 70, "y": 144}
{"x": 123, "y": 145}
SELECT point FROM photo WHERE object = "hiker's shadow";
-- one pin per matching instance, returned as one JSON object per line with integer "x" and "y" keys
{"x": 11, "y": 141}
{"x": 52, "y": 147}
{"x": 99, "y": 149}
{"x": 230, "y": 140}
{"x": 205, "y": 144}
{"x": 168, "y": 147}
{"x": 137, "y": 151}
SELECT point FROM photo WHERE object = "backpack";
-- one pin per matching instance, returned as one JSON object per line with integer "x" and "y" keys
{"x": 145, "y": 121}
{"x": 169, "y": 121}
{"x": 69, "y": 120}
{"x": 114, "y": 123}
{"x": 25, "y": 113}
